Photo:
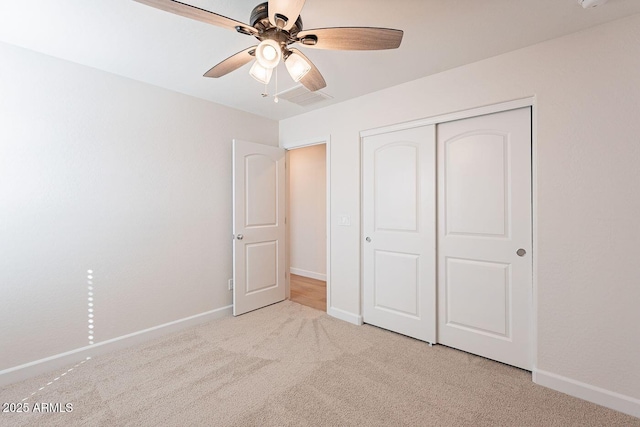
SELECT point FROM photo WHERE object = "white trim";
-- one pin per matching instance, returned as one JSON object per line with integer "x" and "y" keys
{"x": 62, "y": 360}
{"x": 345, "y": 315}
{"x": 458, "y": 115}
{"x": 287, "y": 226}
{"x": 306, "y": 143}
{"x": 328, "y": 215}
{"x": 307, "y": 273}
{"x": 591, "y": 393}
{"x": 534, "y": 232}
{"x": 361, "y": 237}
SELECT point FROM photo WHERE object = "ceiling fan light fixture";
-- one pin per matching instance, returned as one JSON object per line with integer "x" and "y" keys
{"x": 297, "y": 66}
{"x": 278, "y": 24}
{"x": 260, "y": 73}
{"x": 269, "y": 53}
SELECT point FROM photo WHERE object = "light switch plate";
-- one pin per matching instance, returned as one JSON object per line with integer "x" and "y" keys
{"x": 344, "y": 220}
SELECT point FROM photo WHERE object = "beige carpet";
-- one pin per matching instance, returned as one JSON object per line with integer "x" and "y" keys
{"x": 290, "y": 365}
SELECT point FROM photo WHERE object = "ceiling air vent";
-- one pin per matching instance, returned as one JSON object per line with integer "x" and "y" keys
{"x": 300, "y": 95}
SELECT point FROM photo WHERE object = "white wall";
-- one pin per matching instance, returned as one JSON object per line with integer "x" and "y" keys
{"x": 307, "y": 211}
{"x": 587, "y": 87}
{"x": 105, "y": 173}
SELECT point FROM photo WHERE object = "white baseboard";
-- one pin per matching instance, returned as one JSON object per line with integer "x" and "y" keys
{"x": 345, "y": 315}
{"x": 63, "y": 360}
{"x": 306, "y": 273}
{"x": 597, "y": 395}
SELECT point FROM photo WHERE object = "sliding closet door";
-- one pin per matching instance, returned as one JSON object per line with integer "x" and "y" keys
{"x": 399, "y": 231}
{"x": 484, "y": 236}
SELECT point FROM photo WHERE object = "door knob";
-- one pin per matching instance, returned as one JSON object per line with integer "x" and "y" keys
{"x": 239, "y": 237}
{"x": 521, "y": 252}
{"x": 368, "y": 239}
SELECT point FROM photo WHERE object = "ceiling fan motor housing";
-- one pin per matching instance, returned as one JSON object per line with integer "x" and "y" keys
{"x": 260, "y": 19}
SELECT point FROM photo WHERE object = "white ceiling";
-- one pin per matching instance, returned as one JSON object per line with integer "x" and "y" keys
{"x": 150, "y": 45}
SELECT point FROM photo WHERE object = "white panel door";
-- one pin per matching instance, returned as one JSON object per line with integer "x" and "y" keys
{"x": 258, "y": 226}
{"x": 484, "y": 236}
{"x": 399, "y": 226}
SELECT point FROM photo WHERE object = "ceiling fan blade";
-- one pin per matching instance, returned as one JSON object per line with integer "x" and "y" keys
{"x": 351, "y": 38}
{"x": 198, "y": 14}
{"x": 313, "y": 80}
{"x": 232, "y": 63}
{"x": 290, "y": 9}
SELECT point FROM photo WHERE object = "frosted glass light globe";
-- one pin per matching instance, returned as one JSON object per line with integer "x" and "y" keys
{"x": 268, "y": 53}
{"x": 297, "y": 66}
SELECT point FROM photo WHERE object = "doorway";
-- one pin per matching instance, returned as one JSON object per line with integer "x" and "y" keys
{"x": 307, "y": 225}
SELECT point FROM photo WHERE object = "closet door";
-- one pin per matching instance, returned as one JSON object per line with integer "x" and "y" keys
{"x": 484, "y": 236}
{"x": 399, "y": 231}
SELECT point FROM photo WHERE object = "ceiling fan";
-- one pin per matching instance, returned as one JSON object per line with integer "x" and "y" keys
{"x": 278, "y": 25}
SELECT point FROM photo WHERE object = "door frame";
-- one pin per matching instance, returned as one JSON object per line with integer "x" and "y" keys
{"x": 288, "y": 146}
{"x": 466, "y": 114}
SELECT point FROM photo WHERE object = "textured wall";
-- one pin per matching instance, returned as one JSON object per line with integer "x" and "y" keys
{"x": 104, "y": 173}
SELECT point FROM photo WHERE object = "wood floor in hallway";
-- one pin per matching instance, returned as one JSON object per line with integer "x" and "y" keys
{"x": 309, "y": 292}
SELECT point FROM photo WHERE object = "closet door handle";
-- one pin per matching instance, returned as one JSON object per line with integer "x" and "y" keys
{"x": 521, "y": 252}
{"x": 368, "y": 239}
{"x": 239, "y": 237}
